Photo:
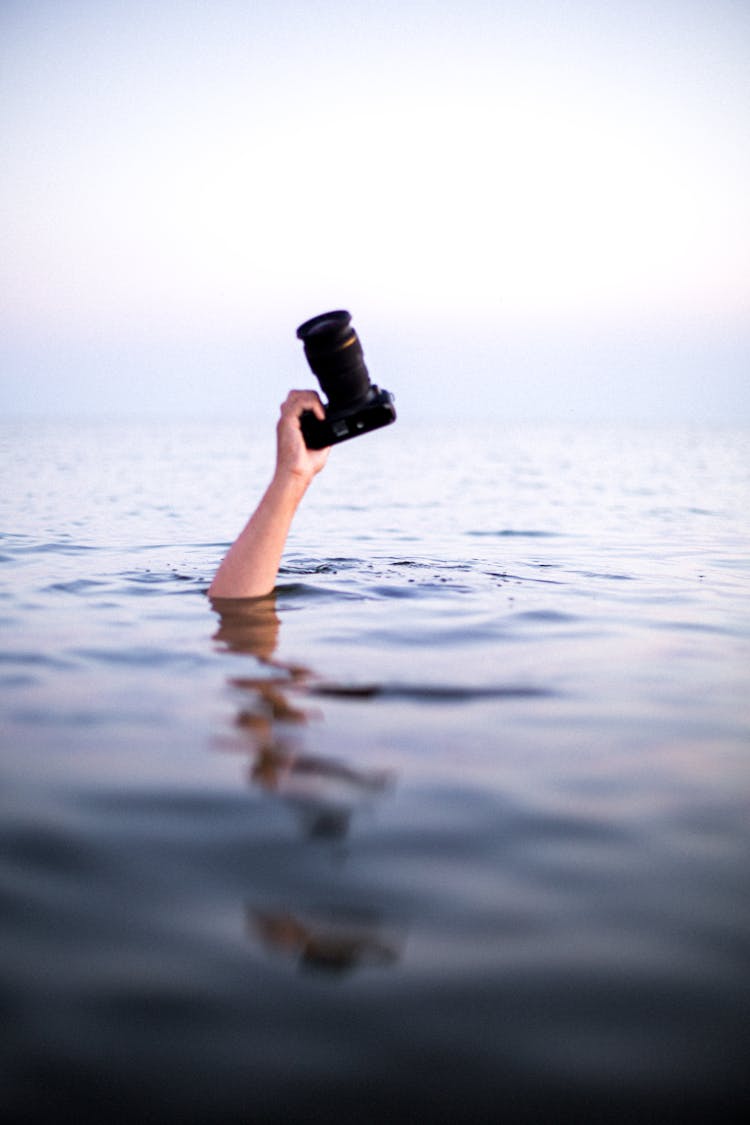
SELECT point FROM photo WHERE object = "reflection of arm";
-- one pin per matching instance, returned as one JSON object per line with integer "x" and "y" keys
{"x": 250, "y": 566}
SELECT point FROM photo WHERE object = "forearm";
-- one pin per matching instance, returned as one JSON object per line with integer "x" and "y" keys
{"x": 250, "y": 566}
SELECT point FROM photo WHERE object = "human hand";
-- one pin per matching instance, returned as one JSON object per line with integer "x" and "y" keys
{"x": 292, "y": 455}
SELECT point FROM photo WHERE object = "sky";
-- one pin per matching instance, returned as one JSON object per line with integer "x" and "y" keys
{"x": 532, "y": 209}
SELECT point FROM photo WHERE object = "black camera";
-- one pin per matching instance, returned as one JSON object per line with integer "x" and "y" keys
{"x": 355, "y": 405}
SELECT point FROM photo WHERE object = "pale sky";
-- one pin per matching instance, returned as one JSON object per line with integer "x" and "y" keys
{"x": 532, "y": 209}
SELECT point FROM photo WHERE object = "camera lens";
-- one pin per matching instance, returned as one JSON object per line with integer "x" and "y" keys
{"x": 335, "y": 355}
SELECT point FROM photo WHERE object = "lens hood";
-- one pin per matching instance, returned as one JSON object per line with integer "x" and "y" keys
{"x": 325, "y": 325}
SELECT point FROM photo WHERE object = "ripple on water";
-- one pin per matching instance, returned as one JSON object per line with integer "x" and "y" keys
{"x": 513, "y": 533}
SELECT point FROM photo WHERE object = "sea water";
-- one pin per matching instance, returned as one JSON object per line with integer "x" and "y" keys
{"x": 452, "y": 827}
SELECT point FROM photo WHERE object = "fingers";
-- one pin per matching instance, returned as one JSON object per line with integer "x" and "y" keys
{"x": 298, "y": 401}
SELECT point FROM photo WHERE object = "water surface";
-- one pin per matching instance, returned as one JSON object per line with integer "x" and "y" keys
{"x": 455, "y": 823}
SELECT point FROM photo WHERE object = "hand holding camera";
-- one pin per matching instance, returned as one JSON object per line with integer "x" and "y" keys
{"x": 293, "y": 455}
{"x": 305, "y": 431}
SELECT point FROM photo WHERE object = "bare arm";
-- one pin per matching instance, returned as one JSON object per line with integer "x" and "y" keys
{"x": 250, "y": 566}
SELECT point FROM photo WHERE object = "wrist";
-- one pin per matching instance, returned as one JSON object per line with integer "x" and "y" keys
{"x": 290, "y": 480}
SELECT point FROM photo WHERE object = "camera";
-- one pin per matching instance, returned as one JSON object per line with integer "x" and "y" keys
{"x": 355, "y": 405}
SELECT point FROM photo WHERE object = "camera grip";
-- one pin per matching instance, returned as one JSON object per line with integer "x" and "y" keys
{"x": 317, "y": 433}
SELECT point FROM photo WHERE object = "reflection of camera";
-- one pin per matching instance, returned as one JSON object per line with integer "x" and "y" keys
{"x": 355, "y": 405}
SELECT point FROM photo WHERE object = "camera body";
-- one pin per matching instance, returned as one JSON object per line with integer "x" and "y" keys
{"x": 355, "y": 405}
